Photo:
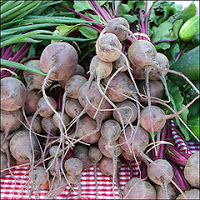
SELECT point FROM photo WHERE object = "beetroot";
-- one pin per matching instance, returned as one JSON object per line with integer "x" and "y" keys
{"x": 156, "y": 90}
{"x": 39, "y": 178}
{"x": 6, "y": 163}
{"x": 43, "y": 108}
{"x": 159, "y": 177}
{"x": 73, "y": 108}
{"x": 37, "y": 127}
{"x": 106, "y": 46}
{"x": 191, "y": 170}
{"x": 118, "y": 26}
{"x": 33, "y": 80}
{"x": 73, "y": 167}
{"x": 128, "y": 111}
{"x": 57, "y": 186}
{"x": 81, "y": 152}
{"x": 31, "y": 103}
{"x": 24, "y": 148}
{"x": 143, "y": 54}
{"x": 94, "y": 96}
{"x": 137, "y": 188}
{"x": 135, "y": 142}
{"x": 10, "y": 121}
{"x": 160, "y": 194}
{"x": 13, "y": 94}
{"x": 57, "y": 122}
{"x": 86, "y": 130}
{"x": 191, "y": 194}
{"x": 61, "y": 58}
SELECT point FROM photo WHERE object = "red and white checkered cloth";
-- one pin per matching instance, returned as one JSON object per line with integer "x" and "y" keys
{"x": 11, "y": 189}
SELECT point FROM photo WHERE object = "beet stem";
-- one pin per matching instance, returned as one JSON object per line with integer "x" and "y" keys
{"x": 8, "y": 50}
{"x": 99, "y": 11}
{"x": 147, "y": 17}
{"x": 175, "y": 159}
{"x": 110, "y": 15}
{"x": 21, "y": 56}
{"x": 143, "y": 170}
{"x": 181, "y": 51}
{"x": 161, "y": 150}
{"x": 81, "y": 15}
{"x": 21, "y": 50}
{"x": 95, "y": 28}
{"x": 3, "y": 51}
{"x": 176, "y": 153}
{"x": 159, "y": 41}
{"x": 31, "y": 58}
{"x": 142, "y": 20}
{"x": 8, "y": 55}
{"x": 179, "y": 178}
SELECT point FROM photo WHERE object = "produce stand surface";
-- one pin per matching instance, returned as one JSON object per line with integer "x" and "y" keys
{"x": 11, "y": 189}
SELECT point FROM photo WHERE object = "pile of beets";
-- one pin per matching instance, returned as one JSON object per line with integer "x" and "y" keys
{"x": 62, "y": 123}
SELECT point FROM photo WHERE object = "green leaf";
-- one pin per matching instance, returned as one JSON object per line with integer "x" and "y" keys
{"x": 130, "y": 18}
{"x": 95, "y": 17}
{"x": 176, "y": 27}
{"x": 162, "y": 45}
{"x": 31, "y": 51}
{"x": 193, "y": 124}
{"x": 16, "y": 47}
{"x": 188, "y": 13}
{"x": 177, "y": 104}
{"x": 173, "y": 52}
{"x": 116, "y": 3}
{"x": 64, "y": 30}
{"x": 163, "y": 10}
{"x": 125, "y": 8}
{"x": 140, "y": 4}
{"x": 162, "y": 32}
{"x": 101, "y": 2}
{"x": 168, "y": 10}
{"x": 194, "y": 108}
{"x": 68, "y": 4}
{"x": 88, "y": 32}
{"x": 81, "y": 5}
{"x": 152, "y": 17}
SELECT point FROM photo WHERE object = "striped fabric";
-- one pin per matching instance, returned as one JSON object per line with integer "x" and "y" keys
{"x": 17, "y": 189}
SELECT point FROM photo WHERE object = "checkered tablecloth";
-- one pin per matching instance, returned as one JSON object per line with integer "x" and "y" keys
{"x": 16, "y": 189}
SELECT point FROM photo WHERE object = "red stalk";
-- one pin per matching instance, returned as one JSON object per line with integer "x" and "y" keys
{"x": 81, "y": 15}
{"x": 175, "y": 159}
{"x": 7, "y": 53}
{"x": 117, "y": 10}
{"x": 21, "y": 50}
{"x": 31, "y": 58}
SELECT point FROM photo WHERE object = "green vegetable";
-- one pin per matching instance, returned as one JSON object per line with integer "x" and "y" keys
{"x": 16, "y": 65}
{"x": 193, "y": 124}
{"x": 195, "y": 39}
{"x": 194, "y": 108}
{"x": 17, "y": 38}
{"x": 188, "y": 64}
{"x": 189, "y": 29}
{"x": 177, "y": 104}
{"x": 190, "y": 93}
{"x": 188, "y": 12}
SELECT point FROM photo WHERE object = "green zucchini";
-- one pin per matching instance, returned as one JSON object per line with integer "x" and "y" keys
{"x": 187, "y": 64}
{"x": 189, "y": 29}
